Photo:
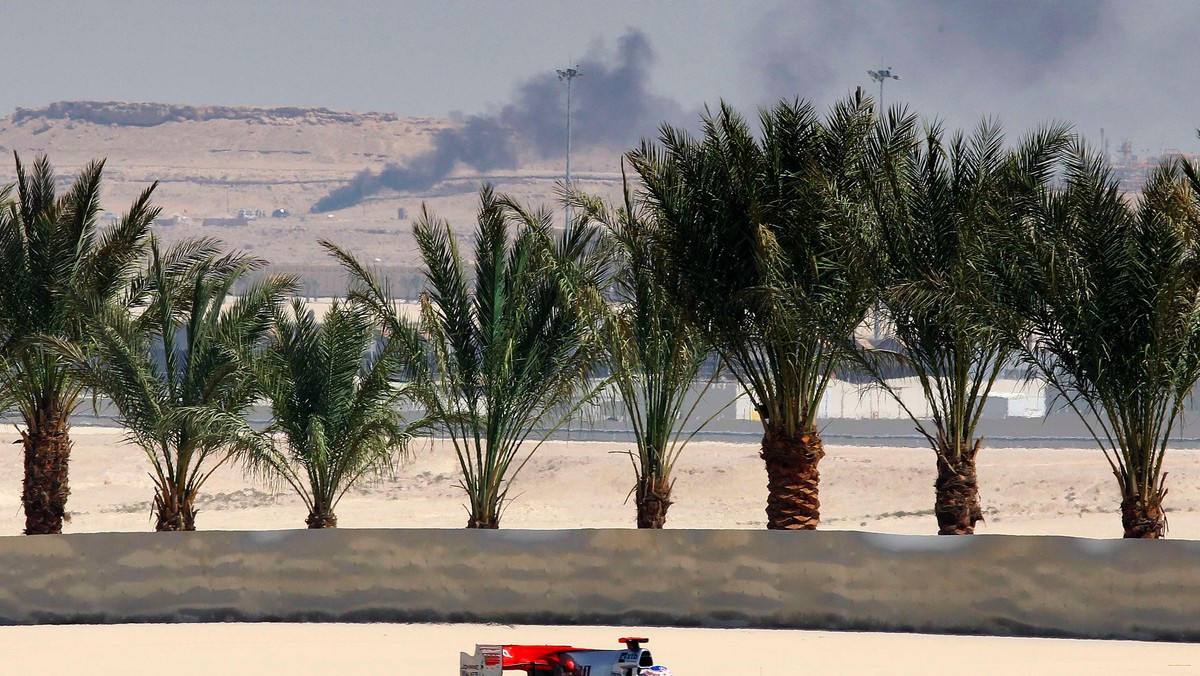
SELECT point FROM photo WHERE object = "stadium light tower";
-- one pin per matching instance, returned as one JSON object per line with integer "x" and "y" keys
{"x": 568, "y": 75}
{"x": 879, "y": 76}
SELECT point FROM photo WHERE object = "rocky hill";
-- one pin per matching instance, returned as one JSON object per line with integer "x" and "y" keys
{"x": 127, "y": 114}
{"x": 233, "y": 167}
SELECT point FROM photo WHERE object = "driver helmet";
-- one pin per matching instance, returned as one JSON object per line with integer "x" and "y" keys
{"x": 657, "y": 670}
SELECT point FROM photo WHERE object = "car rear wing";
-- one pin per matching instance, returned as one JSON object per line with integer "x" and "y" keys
{"x": 488, "y": 660}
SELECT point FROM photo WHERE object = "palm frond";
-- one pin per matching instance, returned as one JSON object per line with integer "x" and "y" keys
{"x": 335, "y": 391}
{"x": 770, "y": 244}
{"x": 175, "y": 367}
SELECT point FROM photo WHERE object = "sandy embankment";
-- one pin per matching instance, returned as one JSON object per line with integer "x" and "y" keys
{"x": 584, "y": 485}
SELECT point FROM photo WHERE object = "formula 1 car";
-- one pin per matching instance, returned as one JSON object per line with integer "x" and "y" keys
{"x": 561, "y": 660}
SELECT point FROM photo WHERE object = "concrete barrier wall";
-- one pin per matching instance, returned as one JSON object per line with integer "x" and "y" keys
{"x": 1049, "y": 586}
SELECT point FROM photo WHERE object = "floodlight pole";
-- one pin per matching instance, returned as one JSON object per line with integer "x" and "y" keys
{"x": 568, "y": 75}
{"x": 879, "y": 76}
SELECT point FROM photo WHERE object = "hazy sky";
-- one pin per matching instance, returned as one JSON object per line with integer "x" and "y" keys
{"x": 1127, "y": 67}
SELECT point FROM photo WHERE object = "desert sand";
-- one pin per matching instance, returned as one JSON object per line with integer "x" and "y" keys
{"x": 570, "y": 484}
{"x": 432, "y": 650}
{"x": 576, "y": 484}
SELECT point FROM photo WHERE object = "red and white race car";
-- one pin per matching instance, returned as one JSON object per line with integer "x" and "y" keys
{"x": 561, "y": 660}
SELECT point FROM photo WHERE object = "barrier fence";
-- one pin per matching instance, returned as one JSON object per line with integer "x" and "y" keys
{"x": 989, "y": 584}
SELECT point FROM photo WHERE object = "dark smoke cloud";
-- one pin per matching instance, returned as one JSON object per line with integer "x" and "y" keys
{"x": 611, "y": 105}
{"x": 819, "y": 50}
{"x": 1125, "y": 67}
{"x": 481, "y": 142}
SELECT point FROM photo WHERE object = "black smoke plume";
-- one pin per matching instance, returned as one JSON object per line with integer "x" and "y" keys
{"x": 481, "y": 143}
{"x": 1094, "y": 63}
{"x": 820, "y": 50}
{"x": 611, "y": 105}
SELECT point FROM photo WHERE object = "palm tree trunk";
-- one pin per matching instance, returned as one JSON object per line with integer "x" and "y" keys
{"x": 175, "y": 512}
{"x": 1144, "y": 519}
{"x": 792, "y": 479}
{"x": 956, "y": 501}
{"x": 489, "y": 520}
{"x": 319, "y": 518}
{"x": 45, "y": 489}
{"x": 653, "y": 500}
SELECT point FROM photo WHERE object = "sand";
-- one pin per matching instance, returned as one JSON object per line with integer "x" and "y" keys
{"x": 584, "y": 485}
{"x": 432, "y": 650}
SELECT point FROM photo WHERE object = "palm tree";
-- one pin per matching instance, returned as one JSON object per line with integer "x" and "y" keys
{"x": 55, "y": 260}
{"x": 942, "y": 216}
{"x": 769, "y": 247}
{"x": 511, "y": 350}
{"x": 334, "y": 403}
{"x": 175, "y": 369}
{"x": 1112, "y": 293}
{"x": 652, "y": 353}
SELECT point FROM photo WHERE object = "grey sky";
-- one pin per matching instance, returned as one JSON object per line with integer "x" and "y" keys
{"x": 1127, "y": 67}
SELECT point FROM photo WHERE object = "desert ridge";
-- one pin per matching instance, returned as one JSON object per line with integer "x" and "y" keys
{"x": 226, "y": 171}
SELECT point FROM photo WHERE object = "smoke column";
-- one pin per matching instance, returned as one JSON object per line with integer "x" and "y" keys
{"x": 1125, "y": 67}
{"x": 481, "y": 143}
{"x": 612, "y": 106}
{"x": 824, "y": 49}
